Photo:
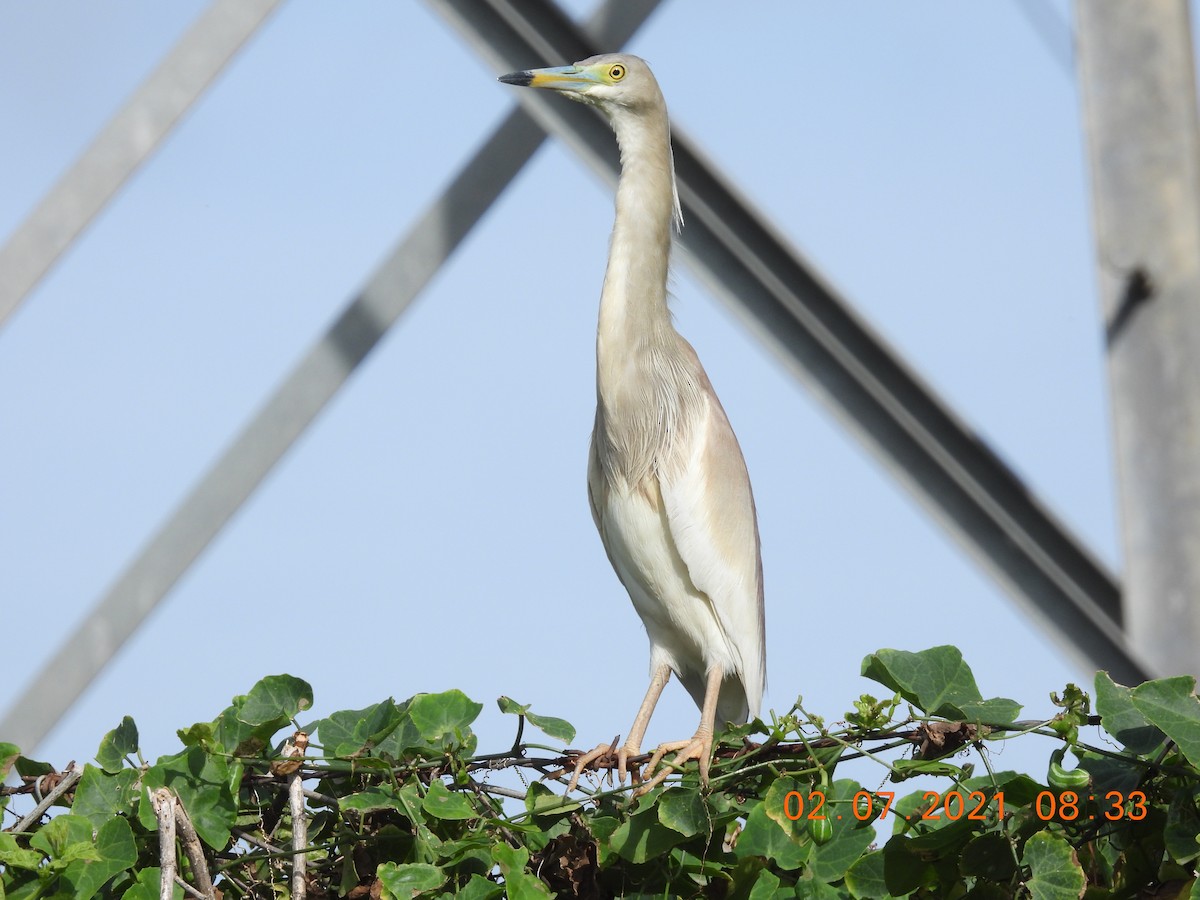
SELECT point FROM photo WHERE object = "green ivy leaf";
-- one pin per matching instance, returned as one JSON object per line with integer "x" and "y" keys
{"x": 810, "y": 888}
{"x": 511, "y": 860}
{"x": 904, "y": 869}
{"x": 447, "y": 714}
{"x": 541, "y": 801}
{"x": 201, "y": 734}
{"x": 228, "y": 733}
{"x": 998, "y": 710}
{"x": 352, "y": 732}
{"x": 1018, "y": 789}
{"x": 445, "y": 804}
{"x": 911, "y": 768}
{"x": 116, "y": 853}
{"x": 403, "y": 881}
{"x": 766, "y": 886}
{"x": 480, "y": 888}
{"x": 99, "y": 796}
{"x": 938, "y": 682}
{"x": 1171, "y": 704}
{"x": 988, "y": 856}
{"x": 779, "y": 805}
{"x": 1109, "y": 775}
{"x": 641, "y": 837}
{"x": 602, "y": 827}
{"x": 764, "y": 837}
{"x": 373, "y": 798}
{"x": 27, "y": 767}
{"x": 1121, "y": 719}
{"x": 116, "y": 745}
{"x": 9, "y": 754}
{"x": 511, "y": 707}
{"x": 276, "y": 697}
{"x": 147, "y": 886}
{"x": 523, "y": 886}
{"x": 1055, "y": 873}
{"x": 865, "y": 879}
{"x": 203, "y": 785}
{"x": 945, "y": 837}
{"x": 828, "y": 862}
{"x": 518, "y": 884}
{"x": 683, "y": 809}
{"x": 559, "y": 729}
{"x": 65, "y": 837}
{"x": 1181, "y": 834}
{"x": 14, "y": 856}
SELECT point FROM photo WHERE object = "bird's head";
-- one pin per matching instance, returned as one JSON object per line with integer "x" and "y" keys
{"x": 610, "y": 81}
{"x": 625, "y": 90}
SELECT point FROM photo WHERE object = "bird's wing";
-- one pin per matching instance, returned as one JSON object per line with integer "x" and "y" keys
{"x": 710, "y": 511}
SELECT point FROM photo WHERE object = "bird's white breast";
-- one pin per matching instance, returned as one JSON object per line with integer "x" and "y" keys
{"x": 679, "y": 619}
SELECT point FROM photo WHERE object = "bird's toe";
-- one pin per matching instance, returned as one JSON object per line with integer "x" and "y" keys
{"x": 699, "y": 748}
{"x": 601, "y": 757}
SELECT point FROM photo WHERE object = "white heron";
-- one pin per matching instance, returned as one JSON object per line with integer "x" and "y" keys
{"x": 668, "y": 486}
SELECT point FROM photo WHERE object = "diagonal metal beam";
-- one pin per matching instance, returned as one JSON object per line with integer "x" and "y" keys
{"x": 746, "y": 263}
{"x": 129, "y": 137}
{"x": 313, "y": 382}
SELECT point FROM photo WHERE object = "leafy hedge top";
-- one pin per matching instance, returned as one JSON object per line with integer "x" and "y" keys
{"x": 398, "y": 803}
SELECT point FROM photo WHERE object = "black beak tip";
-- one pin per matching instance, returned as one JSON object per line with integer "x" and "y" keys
{"x": 521, "y": 79}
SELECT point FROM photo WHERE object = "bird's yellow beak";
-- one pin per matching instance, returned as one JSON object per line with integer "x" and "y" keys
{"x": 559, "y": 78}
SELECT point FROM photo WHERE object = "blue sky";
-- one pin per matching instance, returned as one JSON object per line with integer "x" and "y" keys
{"x": 431, "y": 530}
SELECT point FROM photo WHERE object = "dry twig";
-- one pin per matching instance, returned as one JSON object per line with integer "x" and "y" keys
{"x": 164, "y": 811}
{"x": 295, "y": 749}
{"x": 194, "y": 851}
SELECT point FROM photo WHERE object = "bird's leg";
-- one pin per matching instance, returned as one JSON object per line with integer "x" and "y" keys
{"x": 633, "y": 744}
{"x": 699, "y": 747}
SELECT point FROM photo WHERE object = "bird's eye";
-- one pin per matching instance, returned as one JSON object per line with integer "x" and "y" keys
{"x": 617, "y": 72}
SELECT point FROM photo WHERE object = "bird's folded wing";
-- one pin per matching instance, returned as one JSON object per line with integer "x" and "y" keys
{"x": 710, "y": 511}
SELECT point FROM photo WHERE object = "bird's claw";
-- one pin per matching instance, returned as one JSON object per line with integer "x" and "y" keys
{"x": 606, "y": 752}
{"x": 699, "y": 747}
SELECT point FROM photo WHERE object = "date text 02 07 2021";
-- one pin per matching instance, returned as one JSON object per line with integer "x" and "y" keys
{"x": 1064, "y": 806}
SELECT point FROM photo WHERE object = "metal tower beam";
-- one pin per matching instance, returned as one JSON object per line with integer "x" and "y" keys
{"x": 733, "y": 249}
{"x": 129, "y": 137}
{"x": 1139, "y": 102}
{"x": 310, "y": 385}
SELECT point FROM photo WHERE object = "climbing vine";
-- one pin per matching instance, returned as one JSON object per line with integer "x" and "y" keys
{"x": 396, "y": 800}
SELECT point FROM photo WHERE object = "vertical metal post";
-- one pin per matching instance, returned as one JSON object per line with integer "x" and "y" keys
{"x": 1139, "y": 104}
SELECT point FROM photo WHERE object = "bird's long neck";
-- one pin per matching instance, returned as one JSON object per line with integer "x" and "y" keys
{"x": 634, "y": 317}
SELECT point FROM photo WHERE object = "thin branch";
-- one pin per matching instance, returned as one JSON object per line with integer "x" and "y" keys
{"x": 321, "y": 798}
{"x": 188, "y": 889}
{"x": 194, "y": 851}
{"x": 299, "y": 835}
{"x": 501, "y": 791}
{"x": 251, "y": 839}
{"x": 164, "y": 811}
{"x": 236, "y": 882}
{"x": 295, "y": 749}
{"x": 497, "y": 813}
{"x": 70, "y": 776}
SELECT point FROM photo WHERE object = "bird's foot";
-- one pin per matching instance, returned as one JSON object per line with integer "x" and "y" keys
{"x": 606, "y": 752}
{"x": 699, "y": 747}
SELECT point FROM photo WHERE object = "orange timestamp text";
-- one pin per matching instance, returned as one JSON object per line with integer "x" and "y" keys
{"x": 1063, "y": 806}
